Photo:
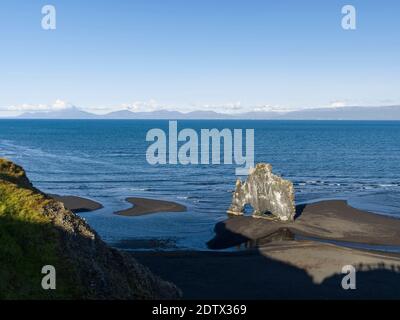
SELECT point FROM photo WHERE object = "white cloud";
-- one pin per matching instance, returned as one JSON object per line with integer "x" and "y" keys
{"x": 60, "y": 105}
{"x": 238, "y": 107}
{"x": 57, "y": 105}
{"x": 143, "y": 106}
{"x": 270, "y": 108}
{"x": 229, "y": 107}
{"x": 151, "y": 106}
{"x": 136, "y": 106}
{"x": 25, "y": 107}
{"x": 338, "y": 104}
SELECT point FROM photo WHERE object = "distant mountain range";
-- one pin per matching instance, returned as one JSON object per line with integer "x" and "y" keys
{"x": 340, "y": 113}
{"x": 68, "y": 113}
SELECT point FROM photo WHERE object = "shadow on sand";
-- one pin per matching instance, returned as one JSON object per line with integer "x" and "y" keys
{"x": 258, "y": 274}
{"x": 251, "y": 275}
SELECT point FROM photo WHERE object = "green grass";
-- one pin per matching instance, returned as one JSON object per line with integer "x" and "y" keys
{"x": 28, "y": 241}
{"x": 12, "y": 173}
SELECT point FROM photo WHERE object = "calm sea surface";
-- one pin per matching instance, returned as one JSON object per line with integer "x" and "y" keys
{"x": 105, "y": 161}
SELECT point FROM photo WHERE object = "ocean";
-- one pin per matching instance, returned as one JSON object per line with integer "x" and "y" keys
{"x": 105, "y": 160}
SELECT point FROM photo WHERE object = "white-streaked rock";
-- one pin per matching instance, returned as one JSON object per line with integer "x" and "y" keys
{"x": 266, "y": 193}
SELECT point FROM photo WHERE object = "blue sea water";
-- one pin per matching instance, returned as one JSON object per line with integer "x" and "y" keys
{"x": 105, "y": 160}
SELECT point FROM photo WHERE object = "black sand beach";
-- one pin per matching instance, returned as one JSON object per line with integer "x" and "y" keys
{"x": 277, "y": 260}
{"x": 77, "y": 204}
{"x": 279, "y": 266}
{"x": 263, "y": 274}
{"x": 142, "y": 206}
{"x": 330, "y": 220}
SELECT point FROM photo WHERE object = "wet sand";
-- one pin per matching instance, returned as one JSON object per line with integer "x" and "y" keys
{"x": 330, "y": 220}
{"x": 279, "y": 265}
{"x": 77, "y": 204}
{"x": 285, "y": 270}
{"x": 143, "y": 206}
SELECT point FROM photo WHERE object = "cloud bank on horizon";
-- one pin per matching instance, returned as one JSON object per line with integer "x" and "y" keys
{"x": 225, "y": 56}
{"x": 235, "y": 108}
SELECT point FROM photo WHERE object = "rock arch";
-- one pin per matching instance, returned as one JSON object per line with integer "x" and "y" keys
{"x": 266, "y": 193}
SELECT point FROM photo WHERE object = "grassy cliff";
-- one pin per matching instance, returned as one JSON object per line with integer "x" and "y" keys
{"x": 27, "y": 241}
{"x": 36, "y": 231}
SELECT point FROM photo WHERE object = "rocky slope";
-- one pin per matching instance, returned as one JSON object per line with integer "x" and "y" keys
{"x": 36, "y": 230}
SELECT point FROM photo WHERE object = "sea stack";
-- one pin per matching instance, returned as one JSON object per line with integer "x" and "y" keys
{"x": 269, "y": 195}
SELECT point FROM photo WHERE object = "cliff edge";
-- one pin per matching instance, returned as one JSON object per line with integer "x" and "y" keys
{"x": 36, "y": 230}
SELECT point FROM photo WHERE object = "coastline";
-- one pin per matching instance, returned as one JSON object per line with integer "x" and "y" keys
{"x": 144, "y": 206}
{"x": 77, "y": 204}
{"x": 287, "y": 270}
{"x": 140, "y": 206}
{"x": 326, "y": 220}
{"x": 278, "y": 260}
{"x": 276, "y": 264}
{"x": 329, "y": 220}
{"x": 38, "y": 230}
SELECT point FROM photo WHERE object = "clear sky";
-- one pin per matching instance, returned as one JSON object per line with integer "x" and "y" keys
{"x": 194, "y": 54}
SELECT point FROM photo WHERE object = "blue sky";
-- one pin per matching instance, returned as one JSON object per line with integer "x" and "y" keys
{"x": 198, "y": 54}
